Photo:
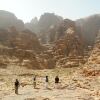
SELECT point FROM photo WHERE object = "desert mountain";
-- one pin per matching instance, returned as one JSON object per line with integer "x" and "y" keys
{"x": 59, "y": 42}
{"x": 49, "y": 26}
{"x": 8, "y": 19}
{"x": 46, "y": 21}
{"x": 89, "y": 27}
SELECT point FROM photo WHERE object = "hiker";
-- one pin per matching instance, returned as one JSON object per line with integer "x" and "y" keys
{"x": 34, "y": 81}
{"x": 46, "y": 84}
{"x": 16, "y": 86}
{"x": 56, "y": 82}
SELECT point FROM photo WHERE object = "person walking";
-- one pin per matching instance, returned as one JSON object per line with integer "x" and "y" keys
{"x": 16, "y": 86}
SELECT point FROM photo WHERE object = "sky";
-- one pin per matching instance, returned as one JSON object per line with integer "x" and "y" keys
{"x": 72, "y": 9}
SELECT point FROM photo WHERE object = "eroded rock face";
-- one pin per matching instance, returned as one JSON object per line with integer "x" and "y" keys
{"x": 67, "y": 45}
{"x": 69, "y": 48}
{"x": 25, "y": 40}
{"x": 20, "y": 48}
{"x": 66, "y": 51}
{"x": 56, "y": 31}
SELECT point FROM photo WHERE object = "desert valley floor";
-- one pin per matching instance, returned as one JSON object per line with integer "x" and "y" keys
{"x": 75, "y": 84}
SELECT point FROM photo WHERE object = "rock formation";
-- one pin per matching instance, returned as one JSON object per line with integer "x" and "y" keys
{"x": 95, "y": 54}
{"x": 23, "y": 46}
{"x": 89, "y": 27}
{"x": 68, "y": 49}
{"x": 59, "y": 43}
{"x": 8, "y": 19}
{"x": 65, "y": 46}
{"x": 33, "y": 25}
{"x": 46, "y": 21}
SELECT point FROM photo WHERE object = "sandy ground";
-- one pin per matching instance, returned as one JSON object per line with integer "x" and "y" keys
{"x": 53, "y": 94}
{"x": 72, "y": 85}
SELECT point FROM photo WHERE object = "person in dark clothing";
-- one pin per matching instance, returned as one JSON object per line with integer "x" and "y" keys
{"x": 56, "y": 81}
{"x": 47, "y": 80}
{"x": 16, "y": 86}
{"x": 34, "y": 81}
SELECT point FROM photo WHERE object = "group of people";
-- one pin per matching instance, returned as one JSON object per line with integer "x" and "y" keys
{"x": 56, "y": 81}
{"x": 17, "y": 84}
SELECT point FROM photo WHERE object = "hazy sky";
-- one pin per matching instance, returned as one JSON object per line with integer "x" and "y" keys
{"x": 73, "y": 9}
